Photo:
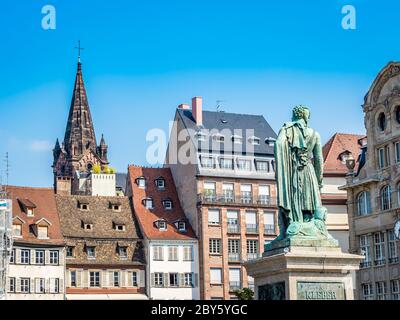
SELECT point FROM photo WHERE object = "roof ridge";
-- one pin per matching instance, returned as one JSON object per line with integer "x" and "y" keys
{"x": 28, "y": 187}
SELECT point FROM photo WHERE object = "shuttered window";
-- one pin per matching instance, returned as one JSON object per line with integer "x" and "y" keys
{"x": 188, "y": 253}
{"x": 158, "y": 253}
{"x": 173, "y": 253}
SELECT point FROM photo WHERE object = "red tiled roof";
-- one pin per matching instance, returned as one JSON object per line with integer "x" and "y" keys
{"x": 147, "y": 217}
{"x": 339, "y": 143}
{"x": 44, "y": 203}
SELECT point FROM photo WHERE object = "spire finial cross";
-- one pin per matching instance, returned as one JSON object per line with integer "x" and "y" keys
{"x": 79, "y": 50}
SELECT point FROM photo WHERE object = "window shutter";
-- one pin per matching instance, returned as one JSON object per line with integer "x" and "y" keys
{"x": 84, "y": 278}
{"x": 123, "y": 278}
{"x": 47, "y": 257}
{"x": 166, "y": 280}
{"x": 33, "y": 256}
{"x": 47, "y": 286}
{"x": 79, "y": 283}
{"x": 68, "y": 279}
{"x": 61, "y": 254}
{"x": 129, "y": 278}
{"x": 181, "y": 282}
{"x": 153, "y": 280}
{"x": 142, "y": 278}
{"x": 37, "y": 285}
{"x": 7, "y": 289}
{"x": 18, "y": 256}
{"x": 196, "y": 280}
{"x": 52, "y": 285}
{"x": 17, "y": 284}
{"x": 107, "y": 278}
{"x": 367, "y": 194}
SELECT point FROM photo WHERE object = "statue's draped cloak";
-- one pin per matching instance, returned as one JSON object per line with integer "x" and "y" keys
{"x": 298, "y": 179}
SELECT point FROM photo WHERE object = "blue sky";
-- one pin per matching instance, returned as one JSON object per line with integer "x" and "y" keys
{"x": 143, "y": 58}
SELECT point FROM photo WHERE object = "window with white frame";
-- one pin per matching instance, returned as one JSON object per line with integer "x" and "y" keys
{"x": 56, "y": 285}
{"x": 148, "y": 203}
{"x": 251, "y": 222}
{"x": 173, "y": 279}
{"x": 11, "y": 285}
{"x": 91, "y": 252}
{"x": 70, "y": 252}
{"x": 209, "y": 190}
{"x": 39, "y": 257}
{"x": 53, "y": 255}
{"x": 252, "y": 249}
{"x": 214, "y": 217}
{"x": 254, "y": 141}
{"x": 243, "y": 164}
{"x": 40, "y": 285}
{"x": 215, "y": 246}
{"x": 262, "y": 166}
{"x": 116, "y": 282}
{"x": 235, "y": 282}
{"x": 234, "y": 250}
{"x": 141, "y": 182}
{"x": 188, "y": 253}
{"x": 365, "y": 248}
{"x": 17, "y": 230}
{"x": 25, "y": 285}
{"x": 367, "y": 290}
{"x": 264, "y": 194}
{"x": 216, "y": 276}
{"x": 269, "y": 222}
{"x": 181, "y": 226}
{"x": 172, "y": 253}
{"x": 12, "y": 256}
{"x": 380, "y": 290}
{"x": 123, "y": 252}
{"x": 161, "y": 225}
{"x": 94, "y": 279}
{"x": 25, "y": 256}
{"x": 246, "y": 193}
{"x": 363, "y": 203}
{"x": 73, "y": 281}
{"x": 134, "y": 279}
{"x": 228, "y": 192}
{"x": 392, "y": 243}
{"x": 233, "y": 221}
{"x": 43, "y": 232}
{"x": 395, "y": 289}
{"x": 160, "y": 183}
{"x": 386, "y": 202}
{"x": 167, "y": 204}
{"x": 207, "y": 162}
{"x": 381, "y": 158}
{"x": 158, "y": 253}
{"x": 226, "y": 163}
{"x": 158, "y": 279}
{"x": 379, "y": 245}
{"x": 237, "y": 139}
{"x": 188, "y": 280}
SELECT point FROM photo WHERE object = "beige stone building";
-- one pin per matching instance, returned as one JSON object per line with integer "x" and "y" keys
{"x": 373, "y": 191}
{"x": 223, "y": 168}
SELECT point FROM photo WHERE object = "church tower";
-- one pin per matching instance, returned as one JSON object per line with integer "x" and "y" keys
{"x": 79, "y": 151}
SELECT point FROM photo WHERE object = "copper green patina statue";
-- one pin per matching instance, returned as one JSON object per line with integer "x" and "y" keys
{"x": 299, "y": 173}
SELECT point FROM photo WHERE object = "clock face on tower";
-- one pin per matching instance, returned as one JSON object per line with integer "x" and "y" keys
{"x": 397, "y": 229}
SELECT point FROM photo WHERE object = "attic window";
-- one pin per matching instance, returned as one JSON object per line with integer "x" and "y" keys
{"x": 17, "y": 230}
{"x": 123, "y": 253}
{"x": 148, "y": 203}
{"x": 237, "y": 139}
{"x": 200, "y": 136}
{"x": 167, "y": 204}
{"x": 28, "y": 207}
{"x": 30, "y": 212}
{"x": 115, "y": 206}
{"x": 181, "y": 226}
{"x": 254, "y": 141}
{"x": 161, "y": 225}
{"x": 344, "y": 156}
{"x": 119, "y": 226}
{"x": 84, "y": 206}
{"x": 43, "y": 232}
{"x": 88, "y": 226}
{"x": 141, "y": 182}
{"x": 218, "y": 137}
{"x": 160, "y": 183}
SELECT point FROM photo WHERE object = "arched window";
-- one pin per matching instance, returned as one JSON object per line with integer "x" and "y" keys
{"x": 397, "y": 114}
{"x": 382, "y": 121}
{"x": 363, "y": 203}
{"x": 386, "y": 202}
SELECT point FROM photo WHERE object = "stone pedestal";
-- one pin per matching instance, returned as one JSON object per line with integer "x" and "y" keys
{"x": 301, "y": 269}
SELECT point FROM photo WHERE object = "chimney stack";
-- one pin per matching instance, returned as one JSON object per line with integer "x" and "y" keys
{"x": 197, "y": 110}
{"x": 184, "y": 106}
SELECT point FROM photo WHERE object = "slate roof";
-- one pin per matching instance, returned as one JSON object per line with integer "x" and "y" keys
{"x": 147, "y": 217}
{"x": 44, "y": 204}
{"x": 233, "y": 122}
{"x": 336, "y": 145}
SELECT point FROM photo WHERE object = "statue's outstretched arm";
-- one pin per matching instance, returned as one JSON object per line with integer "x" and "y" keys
{"x": 318, "y": 159}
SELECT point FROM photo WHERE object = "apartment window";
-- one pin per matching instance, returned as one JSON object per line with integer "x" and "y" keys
{"x": 56, "y": 285}
{"x": 393, "y": 258}
{"x": 379, "y": 244}
{"x": 134, "y": 279}
{"x": 233, "y": 250}
{"x": 237, "y": 139}
{"x": 214, "y": 217}
{"x": 397, "y": 146}
{"x": 233, "y": 221}
{"x": 12, "y": 256}
{"x": 188, "y": 253}
{"x": 173, "y": 280}
{"x": 363, "y": 203}
{"x": 218, "y": 137}
{"x": 384, "y": 157}
{"x": 17, "y": 230}
{"x": 225, "y": 163}
{"x": 91, "y": 252}
{"x": 161, "y": 225}
{"x": 228, "y": 192}
{"x": 53, "y": 257}
{"x": 148, "y": 203}
{"x": 167, "y": 204}
{"x": 39, "y": 257}
{"x": 123, "y": 253}
{"x": 252, "y": 249}
{"x": 207, "y": 162}
{"x": 181, "y": 226}
{"x": 11, "y": 284}
{"x": 243, "y": 164}
{"x": 40, "y": 285}
{"x": 43, "y": 232}
{"x": 25, "y": 285}
{"x": 70, "y": 252}
{"x": 262, "y": 166}
{"x": 141, "y": 182}
{"x": 158, "y": 253}
{"x": 25, "y": 256}
{"x": 160, "y": 183}
{"x": 158, "y": 279}
{"x": 94, "y": 279}
{"x": 188, "y": 280}
{"x": 251, "y": 222}
{"x": 215, "y": 246}
{"x": 269, "y": 223}
{"x": 209, "y": 190}
{"x": 386, "y": 198}
{"x": 172, "y": 253}
{"x": 73, "y": 278}
{"x": 380, "y": 290}
{"x": 382, "y": 121}
{"x": 234, "y": 280}
{"x": 116, "y": 278}
{"x": 264, "y": 194}
{"x": 215, "y": 276}
{"x": 395, "y": 288}
{"x": 245, "y": 193}
{"x": 367, "y": 290}
{"x": 200, "y": 136}
{"x": 365, "y": 250}
{"x": 254, "y": 141}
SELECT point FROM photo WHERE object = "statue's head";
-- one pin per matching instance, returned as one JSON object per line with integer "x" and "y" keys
{"x": 301, "y": 112}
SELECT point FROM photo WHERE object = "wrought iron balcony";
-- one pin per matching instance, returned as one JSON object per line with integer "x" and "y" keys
{"x": 234, "y": 285}
{"x": 394, "y": 260}
{"x": 233, "y": 228}
{"x": 269, "y": 229}
{"x": 251, "y": 228}
{"x": 365, "y": 264}
{"x": 252, "y": 256}
{"x": 380, "y": 262}
{"x": 231, "y": 199}
{"x": 234, "y": 257}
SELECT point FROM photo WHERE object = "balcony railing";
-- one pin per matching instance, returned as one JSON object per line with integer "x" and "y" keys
{"x": 234, "y": 285}
{"x": 233, "y": 228}
{"x": 251, "y": 228}
{"x": 252, "y": 256}
{"x": 365, "y": 264}
{"x": 269, "y": 229}
{"x": 244, "y": 199}
{"x": 379, "y": 262}
{"x": 394, "y": 260}
{"x": 234, "y": 257}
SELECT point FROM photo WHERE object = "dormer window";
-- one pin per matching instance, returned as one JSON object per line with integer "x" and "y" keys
{"x": 87, "y": 225}
{"x": 119, "y": 226}
{"x": 123, "y": 253}
{"x": 200, "y": 136}
{"x": 83, "y": 205}
{"x": 237, "y": 139}
{"x": 28, "y": 207}
{"x": 181, "y": 226}
{"x": 30, "y": 212}
{"x": 43, "y": 232}
{"x": 344, "y": 156}
{"x": 218, "y": 137}
{"x": 115, "y": 206}
{"x": 91, "y": 252}
{"x": 167, "y": 204}
{"x": 160, "y": 183}
{"x": 148, "y": 203}
{"x": 254, "y": 141}
{"x": 161, "y": 225}
{"x": 17, "y": 230}
{"x": 141, "y": 182}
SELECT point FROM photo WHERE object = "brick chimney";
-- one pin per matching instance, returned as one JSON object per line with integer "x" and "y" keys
{"x": 197, "y": 110}
{"x": 184, "y": 106}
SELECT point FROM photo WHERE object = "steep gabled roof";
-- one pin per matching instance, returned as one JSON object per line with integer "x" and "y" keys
{"x": 338, "y": 144}
{"x": 147, "y": 217}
